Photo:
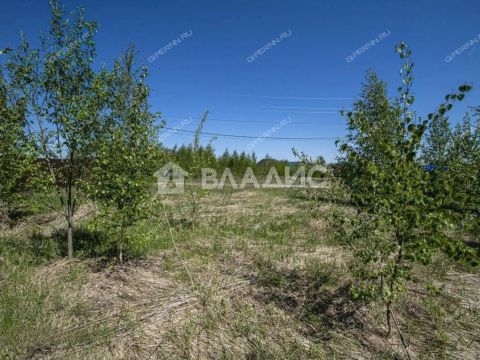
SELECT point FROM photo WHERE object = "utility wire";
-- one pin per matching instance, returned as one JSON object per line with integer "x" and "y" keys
{"x": 256, "y": 137}
{"x": 297, "y": 97}
{"x": 240, "y": 121}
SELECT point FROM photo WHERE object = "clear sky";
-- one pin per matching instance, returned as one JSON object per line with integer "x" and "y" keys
{"x": 304, "y": 77}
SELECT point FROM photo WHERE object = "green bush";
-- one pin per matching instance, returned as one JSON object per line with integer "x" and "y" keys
{"x": 399, "y": 218}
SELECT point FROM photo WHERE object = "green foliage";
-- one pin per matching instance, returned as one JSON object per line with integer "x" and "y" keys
{"x": 126, "y": 150}
{"x": 264, "y": 166}
{"x": 458, "y": 171}
{"x": 184, "y": 156}
{"x": 453, "y": 156}
{"x": 398, "y": 222}
{"x": 437, "y": 146}
{"x": 16, "y": 153}
{"x": 198, "y": 158}
{"x": 62, "y": 97}
{"x": 237, "y": 163}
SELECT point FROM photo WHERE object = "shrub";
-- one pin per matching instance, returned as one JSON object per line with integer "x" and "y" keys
{"x": 398, "y": 221}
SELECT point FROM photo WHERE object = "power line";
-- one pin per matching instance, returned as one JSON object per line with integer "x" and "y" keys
{"x": 297, "y": 97}
{"x": 237, "y": 120}
{"x": 234, "y": 136}
{"x": 225, "y": 120}
{"x": 302, "y": 108}
{"x": 304, "y": 112}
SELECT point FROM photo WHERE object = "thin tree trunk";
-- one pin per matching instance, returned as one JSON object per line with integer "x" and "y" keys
{"x": 70, "y": 236}
{"x": 70, "y": 210}
{"x": 120, "y": 245}
{"x": 120, "y": 253}
{"x": 393, "y": 279}
{"x": 9, "y": 216}
{"x": 389, "y": 316}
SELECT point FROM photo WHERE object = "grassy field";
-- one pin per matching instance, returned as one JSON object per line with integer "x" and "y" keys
{"x": 253, "y": 274}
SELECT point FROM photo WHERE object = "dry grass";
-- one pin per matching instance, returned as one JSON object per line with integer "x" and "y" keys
{"x": 266, "y": 285}
{"x": 46, "y": 223}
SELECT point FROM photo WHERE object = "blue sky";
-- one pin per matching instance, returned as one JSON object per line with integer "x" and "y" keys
{"x": 304, "y": 77}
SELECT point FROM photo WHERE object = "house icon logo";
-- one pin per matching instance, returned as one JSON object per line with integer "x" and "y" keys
{"x": 170, "y": 179}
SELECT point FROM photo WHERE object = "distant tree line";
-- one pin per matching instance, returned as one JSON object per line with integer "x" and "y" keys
{"x": 237, "y": 162}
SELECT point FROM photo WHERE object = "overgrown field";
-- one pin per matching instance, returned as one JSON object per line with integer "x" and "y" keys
{"x": 256, "y": 275}
{"x": 380, "y": 261}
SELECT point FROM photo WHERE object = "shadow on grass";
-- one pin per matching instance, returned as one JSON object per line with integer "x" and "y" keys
{"x": 12, "y": 217}
{"x": 180, "y": 222}
{"x": 87, "y": 243}
{"x": 314, "y": 298}
{"x": 45, "y": 247}
{"x": 473, "y": 244}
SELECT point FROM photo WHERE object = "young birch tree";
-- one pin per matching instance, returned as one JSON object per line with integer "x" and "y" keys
{"x": 64, "y": 99}
{"x": 126, "y": 151}
{"x": 399, "y": 220}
